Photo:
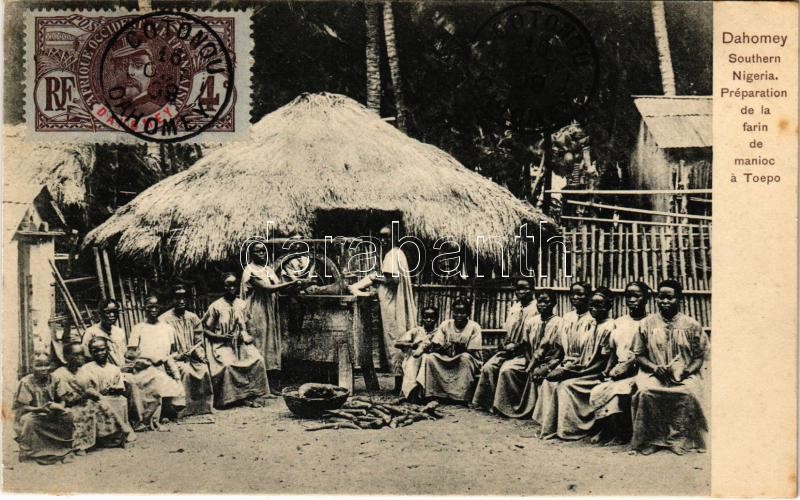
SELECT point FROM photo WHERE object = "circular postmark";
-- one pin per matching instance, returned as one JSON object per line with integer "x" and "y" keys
{"x": 158, "y": 75}
{"x": 535, "y": 66}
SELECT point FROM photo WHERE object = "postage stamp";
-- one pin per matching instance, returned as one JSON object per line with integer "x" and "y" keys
{"x": 114, "y": 76}
{"x": 537, "y": 65}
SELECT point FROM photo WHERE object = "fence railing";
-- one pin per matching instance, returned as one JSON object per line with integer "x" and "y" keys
{"x": 491, "y": 302}
{"x": 615, "y": 256}
{"x": 609, "y": 256}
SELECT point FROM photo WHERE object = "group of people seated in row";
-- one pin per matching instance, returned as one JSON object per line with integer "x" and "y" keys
{"x": 637, "y": 378}
{"x": 172, "y": 365}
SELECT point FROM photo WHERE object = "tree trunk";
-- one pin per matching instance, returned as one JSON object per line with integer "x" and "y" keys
{"x": 547, "y": 172}
{"x": 373, "y": 58}
{"x": 662, "y": 45}
{"x": 394, "y": 65}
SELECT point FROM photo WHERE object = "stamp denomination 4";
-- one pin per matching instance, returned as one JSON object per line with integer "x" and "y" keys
{"x": 125, "y": 77}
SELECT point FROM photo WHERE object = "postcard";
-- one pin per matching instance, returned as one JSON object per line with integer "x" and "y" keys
{"x": 400, "y": 248}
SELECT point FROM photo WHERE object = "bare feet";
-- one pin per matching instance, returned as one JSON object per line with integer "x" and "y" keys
{"x": 649, "y": 450}
{"x": 598, "y": 438}
{"x": 678, "y": 450}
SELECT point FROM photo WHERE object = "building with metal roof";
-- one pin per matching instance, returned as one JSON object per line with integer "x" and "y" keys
{"x": 673, "y": 150}
{"x": 677, "y": 121}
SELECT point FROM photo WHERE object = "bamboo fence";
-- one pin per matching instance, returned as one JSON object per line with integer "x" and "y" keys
{"x": 605, "y": 256}
{"x": 601, "y": 255}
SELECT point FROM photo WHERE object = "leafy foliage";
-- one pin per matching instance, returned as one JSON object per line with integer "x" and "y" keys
{"x": 320, "y": 46}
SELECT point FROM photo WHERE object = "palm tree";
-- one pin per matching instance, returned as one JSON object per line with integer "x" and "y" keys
{"x": 394, "y": 65}
{"x": 373, "y": 57}
{"x": 662, "y": 45}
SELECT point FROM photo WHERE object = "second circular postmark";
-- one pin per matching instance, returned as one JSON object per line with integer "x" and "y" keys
{"x": 535, "y": 66}
{"x": 155, "y": 74}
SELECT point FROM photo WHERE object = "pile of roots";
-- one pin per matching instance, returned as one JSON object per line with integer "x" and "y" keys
{"x": 364, "y": 413}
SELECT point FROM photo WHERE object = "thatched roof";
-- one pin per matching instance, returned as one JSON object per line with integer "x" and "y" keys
{"x": 321, "y": 151}
{"x": 63, "y": 168}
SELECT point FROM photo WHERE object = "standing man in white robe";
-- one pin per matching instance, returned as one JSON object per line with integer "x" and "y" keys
{"x": 396, "y": 299}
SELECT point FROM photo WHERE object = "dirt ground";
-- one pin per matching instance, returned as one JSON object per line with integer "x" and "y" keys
{"x": 266, "y": 450}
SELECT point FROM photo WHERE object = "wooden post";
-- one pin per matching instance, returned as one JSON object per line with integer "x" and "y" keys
{"x": 681, "y": 257}
{"x": 692, "y": 257}
{"x": 635, "y": 231}
{"x": 107, "y": 265}
{"x": 126, "y": 325}
{"x": 135, "y": 316}
{"x": 654, "y": 254}
{"x": 619, "y": 254}
{"x": 99, "y": 270}
{"x": 624, "y": 257}
{"x": 601, "y": 257}
{"x": 547, "y": 181}
{"x": 573, "y": 254}
{"x": 344, "y": 361}
{"x": 365, "y": 348}
{"x": 540, "y": 248}
{"x": 71, "y": 306}
{"x": 703, "y": 258}
{"x": 584, "y": 252}
{"x": 664, "y": 255}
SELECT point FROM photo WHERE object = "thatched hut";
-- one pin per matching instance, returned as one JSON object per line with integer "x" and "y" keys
{"x": 319, "y": 153}
{"x": 63, "y": 168}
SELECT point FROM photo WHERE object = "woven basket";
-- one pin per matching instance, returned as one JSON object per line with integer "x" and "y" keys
{"x": 313, "y": 407}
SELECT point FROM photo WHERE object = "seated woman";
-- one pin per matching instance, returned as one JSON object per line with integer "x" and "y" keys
{"x": 80, "y": 407}
{"x": 552, "y": 354}
{"x": 413, "y": 344}
{"x": 102, "y": 382}
{"x": 611, "y": 399}
{"x": 108, "y": 310}
{"x": 42, "y": 426}
{"x": 670, "y": 348}
{"x": 514, "y": 350}
{"x": 238, "y": 373}
{"x": 452, "y": 363}
{"x": 565, "y": 392}
{"x": 517, "y": 389}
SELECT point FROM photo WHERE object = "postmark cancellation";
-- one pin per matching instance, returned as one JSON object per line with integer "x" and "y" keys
{"x": 119, "y": 76}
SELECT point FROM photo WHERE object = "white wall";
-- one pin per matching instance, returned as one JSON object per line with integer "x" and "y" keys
{"x": 10, "y": 322}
